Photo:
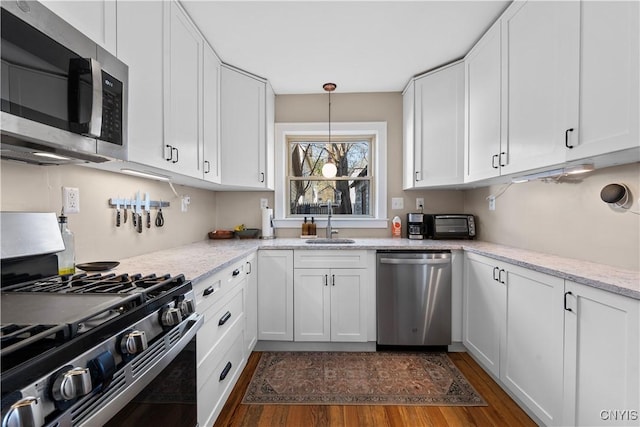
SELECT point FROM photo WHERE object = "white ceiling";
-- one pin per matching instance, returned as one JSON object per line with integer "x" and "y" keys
{"x": 362, "y": 46}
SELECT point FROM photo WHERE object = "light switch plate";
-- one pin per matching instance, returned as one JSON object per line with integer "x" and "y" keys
{"x": 419, "y": 203}
{"x": 264, "y": 203}
{"x": 397, "y": 203}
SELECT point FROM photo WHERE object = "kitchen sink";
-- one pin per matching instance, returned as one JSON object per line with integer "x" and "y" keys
{"x": 330, "y": 241}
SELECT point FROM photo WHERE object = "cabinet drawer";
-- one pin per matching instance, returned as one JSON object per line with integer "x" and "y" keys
{"x": 217, "y": 377}
{"x": 217, "y": 321}
{"x": 212, "y": 289}
{"x": 329, "y": 259}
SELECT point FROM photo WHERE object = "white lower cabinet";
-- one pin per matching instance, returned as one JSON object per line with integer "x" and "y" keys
{"x": 601, "y": 358}
{"x": 331, "y": 295}
{"x": 330, "y": 304}
{"x": 251, "y": 303}
{"x": 531, "y": 358}
{"x": 484, "y": 301}
{"x": 220, "y": 345}
{"x": 275, "y": 295}
{"x": 569, "y": 353}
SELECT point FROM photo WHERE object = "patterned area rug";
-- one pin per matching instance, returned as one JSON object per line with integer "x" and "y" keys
{"x": 373, "y": 378}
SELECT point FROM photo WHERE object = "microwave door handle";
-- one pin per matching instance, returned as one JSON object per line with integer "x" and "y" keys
{"x": 95, "y": 125}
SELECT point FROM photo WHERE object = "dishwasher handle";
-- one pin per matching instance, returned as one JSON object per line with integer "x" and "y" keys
{"x": 413, "y": 261}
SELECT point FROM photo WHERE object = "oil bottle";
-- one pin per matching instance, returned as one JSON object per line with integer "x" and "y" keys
{"x": 66, "y": 258}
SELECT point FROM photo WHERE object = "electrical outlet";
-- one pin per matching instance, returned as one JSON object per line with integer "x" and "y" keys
{"x": 492, "y": 203}
{"x": 186, "y": 201}
{"x": 397, "y": 203}
{"x": 70, "y": 200}
{"x": 264, "y": 203}
{"x": 419, "y": 203}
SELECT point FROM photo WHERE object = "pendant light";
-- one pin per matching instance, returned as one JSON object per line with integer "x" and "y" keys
{"x": 329, "y": 170}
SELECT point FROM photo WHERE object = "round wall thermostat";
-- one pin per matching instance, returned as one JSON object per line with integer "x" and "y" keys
{"x": 617, "y": 195}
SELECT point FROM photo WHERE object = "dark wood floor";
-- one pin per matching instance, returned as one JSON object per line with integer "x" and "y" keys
{"x": 501, "y": 410}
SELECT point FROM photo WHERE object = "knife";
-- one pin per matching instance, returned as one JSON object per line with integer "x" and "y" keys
{"x": 124, "y": 216}
{"x": 138, "y": 213}
{"x": 117, "y": 212}
{"x": 147, "y": 205}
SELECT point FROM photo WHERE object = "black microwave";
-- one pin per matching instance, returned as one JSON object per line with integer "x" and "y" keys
{"x": 450, "y": 226}
{"x": 64, "y": 97}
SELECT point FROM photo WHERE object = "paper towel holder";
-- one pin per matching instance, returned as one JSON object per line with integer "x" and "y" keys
{"x": 267, "y": 224}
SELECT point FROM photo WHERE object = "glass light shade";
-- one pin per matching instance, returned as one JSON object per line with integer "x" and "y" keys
{"x": 329, "y": 170}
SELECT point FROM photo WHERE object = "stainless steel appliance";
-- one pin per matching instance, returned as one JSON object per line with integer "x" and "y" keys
{"x": 450, "y": 226}
{"x": 415, "y": 226}
{"x": 414, "y": 298}
{"x": 62, "y": 94}
{"x": 77, "y": 350}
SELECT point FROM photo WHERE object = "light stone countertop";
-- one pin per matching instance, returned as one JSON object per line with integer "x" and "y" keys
{"x": 200, "y": 260}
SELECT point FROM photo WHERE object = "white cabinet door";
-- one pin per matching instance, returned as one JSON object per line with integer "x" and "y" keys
{"x": 243, "y": 129}
{"x": 349, "y": 305}
{"x": 531, "y": 360}
{"x": 251, "y": 304}
{"x": 408, "y": 134}
{"x": 330, "y": 304}
{"x": 541, "y": 42}
{"x": 210, "y": 115}
{"x": 95, "y": 19}
{"x": 602, "y": 357}
{"x": 275, "y": 295}
{"x": 484, "y": 311}
{"x": 609, "y": 77}
{"x": 142, "y": 51}
{"x": 439, "y": 127}
{"x": 312, "y": 304}
{"x": 183, "y": 65}
{"x": 483, "y": 107}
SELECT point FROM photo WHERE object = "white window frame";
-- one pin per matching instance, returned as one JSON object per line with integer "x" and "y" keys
{"x": 379, "y": 209}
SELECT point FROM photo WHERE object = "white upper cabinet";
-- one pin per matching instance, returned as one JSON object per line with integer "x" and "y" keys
{"x": 211, "y": 115}
{"x": 541, "y": 42}
{"x": 96, "y": 19}
{"x": 609, "y": 77}
{"x": 436, "y": 141}
{"x": 483, "y": 108}
{"x": 142, "y": 51}
{"x": 244, "y": 130}
{"x": 182, "y": 68}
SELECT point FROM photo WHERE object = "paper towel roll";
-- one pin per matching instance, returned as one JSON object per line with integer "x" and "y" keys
{"x": 267, "y": 223}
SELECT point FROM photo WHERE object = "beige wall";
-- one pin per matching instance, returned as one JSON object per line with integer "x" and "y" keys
{"x": 234, "y": 208}
{"x": 566, "y": 218}
{"x": 38, "y": 189}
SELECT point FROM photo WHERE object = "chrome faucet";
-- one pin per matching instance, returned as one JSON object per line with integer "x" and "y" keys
{"x": 330, "y": 230}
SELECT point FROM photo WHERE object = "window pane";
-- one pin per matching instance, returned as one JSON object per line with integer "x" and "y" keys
{"x": 349, "y": 197}
{"x": 307, "y": 158}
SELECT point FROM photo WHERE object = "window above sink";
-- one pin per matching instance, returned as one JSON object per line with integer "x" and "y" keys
{"x": 358, "y": 192}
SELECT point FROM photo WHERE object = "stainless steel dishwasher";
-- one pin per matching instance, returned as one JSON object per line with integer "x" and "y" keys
{"x": 414, "y": 298}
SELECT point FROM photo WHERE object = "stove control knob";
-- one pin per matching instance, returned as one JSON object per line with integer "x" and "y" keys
{"x": 134, "y": 342}
{"x": 171, "y": 317}
{"x": 25, "y": 412}
{"x": 71, "y": 384}
{"x": 187, "y": 307}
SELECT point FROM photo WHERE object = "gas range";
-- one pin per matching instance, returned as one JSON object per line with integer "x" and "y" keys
{"x": 76, "y": 349}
